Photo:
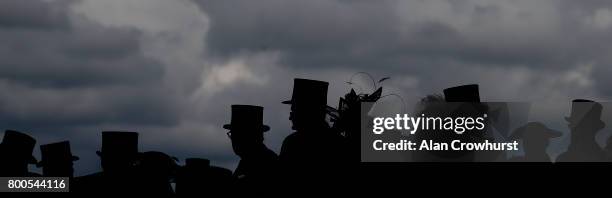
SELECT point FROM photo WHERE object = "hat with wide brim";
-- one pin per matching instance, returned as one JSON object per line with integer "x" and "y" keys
{"x": 535, "y": 129}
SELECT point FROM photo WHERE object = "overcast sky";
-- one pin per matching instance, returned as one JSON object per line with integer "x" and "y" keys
{"x": 170, "y": 69}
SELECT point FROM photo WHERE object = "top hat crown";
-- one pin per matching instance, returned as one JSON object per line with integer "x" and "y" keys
{"x": 583, "y": 109}
{"x": 247, "y": 117}
{"x": 464, "y": 93}
{"x": 19, "y": 144}
{"x": 308, "y": 94}
{"x": 56, "y": 152}
{"x": 535, "y": 130}
{"x": 119, "y": 143}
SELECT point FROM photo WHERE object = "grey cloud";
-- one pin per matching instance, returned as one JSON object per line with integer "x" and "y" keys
{"x": 83, "y": 74}
{"x": 366, "y": 34}
{"x": 33, "y": 14}
{"x": 75, "y": 57}
{"x": 64, "y": 75}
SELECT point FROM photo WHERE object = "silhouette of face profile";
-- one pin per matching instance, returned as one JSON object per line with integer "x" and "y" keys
{"x": 308, "y": 102}
{"x": 535, "y": 145}
{"x": 305, "y": 119}
{"x": 57, "y": 159}
{"x": 119, "y": 151}
{"x": 246, "y": 128}
{"x": 116, "y": 163}
{"x": 536, "y": 138}
{"x": 157, "y": 165}
{"x": 244, "y": 141}
{"x": 58, "y": 170}
{"x": 588, "y": 127}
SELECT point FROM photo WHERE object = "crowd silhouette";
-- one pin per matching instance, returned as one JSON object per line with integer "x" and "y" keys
{"x": 317, "y": 150}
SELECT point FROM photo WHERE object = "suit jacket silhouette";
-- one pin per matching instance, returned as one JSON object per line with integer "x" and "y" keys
{"x": 256, "y": 171}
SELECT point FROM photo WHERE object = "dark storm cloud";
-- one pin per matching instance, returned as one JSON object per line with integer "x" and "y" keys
{"x": 60, "y": 71}
{"x": 86, "y": 56}
{"x": 69, "y": 75}
{"x": 363, "y": 34}
{"x": 33, "y": 14}
{"x": 309, "y": 33}
{"x": 64, "y": 76}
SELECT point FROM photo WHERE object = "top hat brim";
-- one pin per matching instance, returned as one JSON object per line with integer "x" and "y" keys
{"x": 550, "y": 133}
{"x": 287, "y": 102}
{"x": 263, "y": 128}
{"x": 574, "y": 120}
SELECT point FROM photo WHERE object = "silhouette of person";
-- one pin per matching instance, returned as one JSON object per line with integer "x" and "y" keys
{"x": 459, "y": 101}
{"x": 155, "y": 170}
{"x": 535, "y": 136}
{"x": 57, "y": 160}
{"x": 349, "y": 118}
{"x": 584, "y": 122}
{"x": 258, "y": 164}
{"x": 16, "y": 153}
{"x": 118, "y": 158}
{"x": 313, "y": 150}
{"x": 198, "y": 176}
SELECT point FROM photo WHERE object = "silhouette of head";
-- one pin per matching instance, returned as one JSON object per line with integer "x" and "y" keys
{"x": 460, "y": 101}
{"x": 119, "y": 151}
{"x": 436, "y": 106}
{"x": 586, "y": 117}
{"x": 535, "y": 136}
{"x": 157, "y": 165}
{"x": 246, "y": 128}
{"x": 464, "y": 101}
{"x": 57, "y": 159}
{"x": 308, "y": 103}
{"x": 199, "y": 176}
{"x": 202, "y": 167}
{"x": 16, "y": 152}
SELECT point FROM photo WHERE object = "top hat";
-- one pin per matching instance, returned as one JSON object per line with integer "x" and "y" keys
{"x": 117, "y": 143}
{"x": 535, "y": 130}
{"x": 584, "y": 110}
{"x": 247, "y": 117}
{"x": 308, "y": 94}
{"x": 56, "y": 152}
{"x": 464, "y": 93}
{"x": 19, "y": 144}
